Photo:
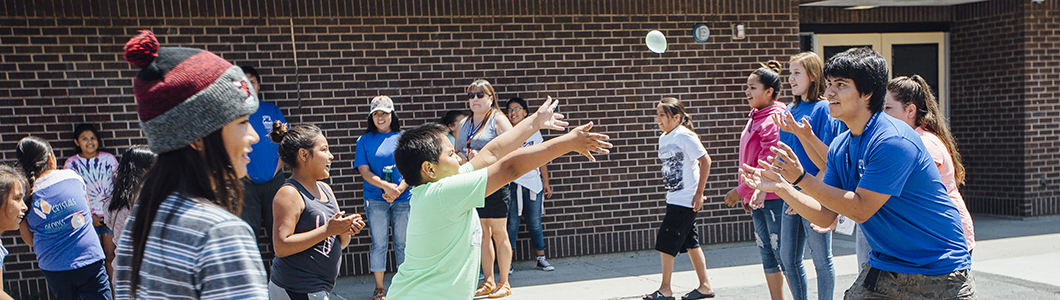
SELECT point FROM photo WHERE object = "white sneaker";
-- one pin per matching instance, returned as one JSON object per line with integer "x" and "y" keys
{"x": 544, "y": 265}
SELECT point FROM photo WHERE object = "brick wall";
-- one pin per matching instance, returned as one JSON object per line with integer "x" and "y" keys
{"x": 1042, "y": 110}
{"x": 1004, "y": 112}
{"x": 62, "y": 65}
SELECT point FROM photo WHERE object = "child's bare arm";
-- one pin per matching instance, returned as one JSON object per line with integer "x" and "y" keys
{"x": 523, "y": 160}
{"x": 512, "y": 139}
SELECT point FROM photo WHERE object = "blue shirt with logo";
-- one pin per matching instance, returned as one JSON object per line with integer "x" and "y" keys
{"x": 58, "y": 216}
{"x": 263, "y": 159}
{"x": 918, "y": 230}
{"x": 376, "y": 150}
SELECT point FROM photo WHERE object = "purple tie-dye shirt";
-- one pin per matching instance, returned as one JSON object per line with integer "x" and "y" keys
{"x": 98, "y": 173}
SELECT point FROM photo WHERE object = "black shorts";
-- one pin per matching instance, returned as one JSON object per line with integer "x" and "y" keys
{"x": 496, "y": 205}
{"x": 678, "y": 231}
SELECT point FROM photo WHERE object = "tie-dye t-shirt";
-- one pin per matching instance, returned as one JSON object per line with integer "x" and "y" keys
{"x": 98, "y": 173}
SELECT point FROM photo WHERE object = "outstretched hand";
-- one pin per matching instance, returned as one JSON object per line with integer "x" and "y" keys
{"x": 761, "y": 179}
{"x": 787, "y": 123}
{"x": 784, "y": 163}
{"x": 586, "y": 142}
{"x": 546, "y": 116}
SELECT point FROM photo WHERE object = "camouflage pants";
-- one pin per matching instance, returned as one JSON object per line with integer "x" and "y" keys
{"x": 874, "y": 283}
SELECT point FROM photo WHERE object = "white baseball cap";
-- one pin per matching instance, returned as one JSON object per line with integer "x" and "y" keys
{"x": 382, "y": 103}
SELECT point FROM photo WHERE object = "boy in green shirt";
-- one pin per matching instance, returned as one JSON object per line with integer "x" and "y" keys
{"x": 444, "y": 237}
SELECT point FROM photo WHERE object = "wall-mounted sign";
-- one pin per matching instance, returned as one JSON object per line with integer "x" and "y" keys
{"x": 738, "y": 32}
{"x": 700, "y": 32}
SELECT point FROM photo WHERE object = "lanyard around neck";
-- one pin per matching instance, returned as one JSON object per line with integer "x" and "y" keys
{"x": 473, "y": 131}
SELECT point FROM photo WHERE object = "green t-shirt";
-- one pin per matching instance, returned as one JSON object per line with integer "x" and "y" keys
{"x": 444, "y": 238}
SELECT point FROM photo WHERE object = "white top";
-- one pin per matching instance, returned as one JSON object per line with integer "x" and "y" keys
{"x": 532, "y": 180}
{"x": 679, "y": 151}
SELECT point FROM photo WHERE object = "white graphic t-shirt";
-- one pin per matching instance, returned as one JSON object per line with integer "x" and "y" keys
{"x": 679, "y": 151}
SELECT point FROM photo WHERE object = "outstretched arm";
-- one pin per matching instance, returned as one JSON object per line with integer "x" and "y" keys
{"x": 523, "y": 160}
{"x": 818, "y": 202}
{"x": 512, "y": 139}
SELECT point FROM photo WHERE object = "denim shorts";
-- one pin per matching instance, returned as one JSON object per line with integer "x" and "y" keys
{"x": 103, "y": 229}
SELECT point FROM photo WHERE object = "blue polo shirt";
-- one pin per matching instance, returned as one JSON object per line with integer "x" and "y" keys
{"x": 918, "y": 230}
{"x": 263, "y": 159}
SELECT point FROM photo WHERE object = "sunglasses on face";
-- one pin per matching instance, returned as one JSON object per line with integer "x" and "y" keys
{"x": 479, "y": 95}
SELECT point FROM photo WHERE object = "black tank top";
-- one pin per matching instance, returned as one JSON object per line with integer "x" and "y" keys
{"x": 316, "y": 268}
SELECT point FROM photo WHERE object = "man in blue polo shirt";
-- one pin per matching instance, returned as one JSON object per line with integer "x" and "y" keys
{"x": 880, "y": 175}
{"x": 265, "y": 170}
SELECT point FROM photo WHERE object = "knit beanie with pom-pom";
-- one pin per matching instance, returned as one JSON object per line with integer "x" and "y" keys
{"x": 184, "y": 94}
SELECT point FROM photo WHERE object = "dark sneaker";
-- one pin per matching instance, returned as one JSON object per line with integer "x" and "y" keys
{"x": 544, "y": 265}
{"x": 511, "y": 269}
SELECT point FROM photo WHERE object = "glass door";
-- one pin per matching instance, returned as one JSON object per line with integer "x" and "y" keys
{"x": 922, "y": 53}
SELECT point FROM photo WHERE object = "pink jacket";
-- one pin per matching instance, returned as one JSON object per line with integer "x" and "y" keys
{"x": 755, "y": 140}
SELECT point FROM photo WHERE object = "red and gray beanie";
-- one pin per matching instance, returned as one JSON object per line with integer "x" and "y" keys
{"x": 184, "y": 94}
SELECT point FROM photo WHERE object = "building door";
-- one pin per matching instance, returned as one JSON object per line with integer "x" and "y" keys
{"x": 922, "y": 53}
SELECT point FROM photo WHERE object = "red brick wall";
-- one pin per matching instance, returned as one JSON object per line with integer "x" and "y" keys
{"x": 63, "y": 65}
{"x": 1042, "y": 111}
{"x": 1004, "y": 110}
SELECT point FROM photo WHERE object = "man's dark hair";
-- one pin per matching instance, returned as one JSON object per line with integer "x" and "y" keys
{"x": 416, "y": 146}
{"x": 252, "y": 71}
{"x": 866, "y": 68}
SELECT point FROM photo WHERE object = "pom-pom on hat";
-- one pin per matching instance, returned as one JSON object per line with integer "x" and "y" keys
{"x": 184, "y": 94}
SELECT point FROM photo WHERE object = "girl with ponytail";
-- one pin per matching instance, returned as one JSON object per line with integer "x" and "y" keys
{"x": 910, "y": 99}
{"x": 760, "y": 134}
{"x": 685, "y": 168}
{"x": 808, "y": 138}
{"x": 306, "y": 218}
{"x": 59, "y": 227}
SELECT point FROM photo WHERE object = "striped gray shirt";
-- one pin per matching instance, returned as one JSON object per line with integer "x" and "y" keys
{"x": 195, "y": 250}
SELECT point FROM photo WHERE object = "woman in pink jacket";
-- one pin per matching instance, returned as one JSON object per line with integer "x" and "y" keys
{"x": 763, "y": 90}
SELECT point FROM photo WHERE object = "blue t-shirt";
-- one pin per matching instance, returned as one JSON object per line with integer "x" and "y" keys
{"x": 918, "y": 230}
{"x": 263, "y": 159}
{"x": 63, "y": 236}
{"x": 376, "y": 150}
{"x": 824, "y": 126}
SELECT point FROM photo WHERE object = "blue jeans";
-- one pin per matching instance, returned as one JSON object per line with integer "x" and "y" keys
{"x": 382, "y": 216}
{"x": 88, "y": 282}
{"x": 767, "y": 233}
{"x": 861, "y": 247}
{"x": 795, "y": 232}
{"x": 532, "y": 213}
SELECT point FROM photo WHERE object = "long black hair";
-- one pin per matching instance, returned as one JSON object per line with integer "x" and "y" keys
{"x": 134, "y": 163}
{"x": 33, "y": 154}
{"x": 185, "y": 171}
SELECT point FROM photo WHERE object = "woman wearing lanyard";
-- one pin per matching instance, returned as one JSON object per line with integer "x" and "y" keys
{"x": 487, "y": 122}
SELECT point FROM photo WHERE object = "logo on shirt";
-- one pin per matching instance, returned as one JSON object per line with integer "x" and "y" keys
{"x": 77, "y": 220}
{"x": 861, "y": 168}
{"x": 324, "y": 247}
{"x": 672, "y": 166}
{"x": 267, "y": 121}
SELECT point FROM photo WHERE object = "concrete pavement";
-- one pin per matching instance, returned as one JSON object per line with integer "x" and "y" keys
{"x": 1013, "y": 259}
